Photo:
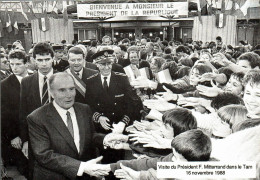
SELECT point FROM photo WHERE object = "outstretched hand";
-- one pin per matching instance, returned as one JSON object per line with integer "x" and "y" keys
{"x": 93, "y": 169}
{"x": 126, "y": 173}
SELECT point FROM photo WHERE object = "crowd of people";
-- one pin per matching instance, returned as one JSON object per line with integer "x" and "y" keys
{"x": 79, "y": 111}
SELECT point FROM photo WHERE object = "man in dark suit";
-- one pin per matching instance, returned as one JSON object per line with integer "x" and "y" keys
{"x": 80, "y": 74}
{"x": 4, "y": 73}
{"x": 10, "y": 99}
{"x": 34, "y": 92}
{"x": 62, "y": 135}
{"x": 111, "y": 99}
{"x": 60, "y": 62}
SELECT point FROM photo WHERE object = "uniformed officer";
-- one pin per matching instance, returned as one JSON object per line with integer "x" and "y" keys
{"x": 60, "y": 63}
{"x": 110, "y": 97}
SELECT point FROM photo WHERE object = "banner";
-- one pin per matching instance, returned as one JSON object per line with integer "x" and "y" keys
{"x": 174, "y": 9}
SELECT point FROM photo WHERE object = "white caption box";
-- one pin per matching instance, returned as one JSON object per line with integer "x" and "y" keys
{"x": 206, "y": 170}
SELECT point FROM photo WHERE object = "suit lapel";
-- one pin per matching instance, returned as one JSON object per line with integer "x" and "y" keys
{"x": 81, "y": 125}
{"x": 36, "y": 89}
{"x": 60, "y": 126}
{"x": 15, "y": 82}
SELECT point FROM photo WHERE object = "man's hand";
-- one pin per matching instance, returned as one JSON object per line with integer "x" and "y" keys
{"x": 141, "y": 82}
{"x": 17, "y": 143}
{"x": 116, "y": 141}
{"x": 25, "y": 149}
{"x": 93, "y": 169}
{"x": 127, "y": 173}
{"x": 104, "y": 122}
{"x": 156, "y": 141}
{"x": 118, "y": 128}
{"x": 209, "y": 91}
{"x": 168, "y": 95}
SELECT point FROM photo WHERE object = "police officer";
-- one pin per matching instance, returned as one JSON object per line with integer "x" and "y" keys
{"x": 110, "y": 97}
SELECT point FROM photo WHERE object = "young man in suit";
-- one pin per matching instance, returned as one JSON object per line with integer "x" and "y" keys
{"x": 80, "y": 74}
{"x": 62, "y": 135}
{"x": 111, "y": 99}
{"x": 4, "y": 73}
{"x": 34, "y": 92}
{"x": 10, "y": 99}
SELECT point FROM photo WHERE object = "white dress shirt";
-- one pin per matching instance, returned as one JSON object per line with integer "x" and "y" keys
{"x": 108, "y": 79}
{"x": 20, "y": 77}
{"x": 62, "y": 112}
{"x": 41, "y": 82}
{"x": 80, "y": 73}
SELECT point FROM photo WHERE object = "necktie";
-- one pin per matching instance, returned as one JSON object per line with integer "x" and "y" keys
{"x": 69, "y": 124}
{"x": 45, "y": 94}
{"x": 105, "y": 86}
{"x": 77, "y": 73}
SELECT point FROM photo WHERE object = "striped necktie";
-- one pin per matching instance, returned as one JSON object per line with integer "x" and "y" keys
{"x": 69, "y": 124}
{"x": 45, "y": 94}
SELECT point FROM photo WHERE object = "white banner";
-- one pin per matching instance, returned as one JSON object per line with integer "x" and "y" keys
{"x": 174, "y": 9}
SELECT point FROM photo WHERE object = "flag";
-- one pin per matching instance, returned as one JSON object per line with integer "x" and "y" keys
{"x": 199, "y": 10}
{"x": 54, "y": 10}
{"x": 16, "y": 29}
{"x": 1, "y": 28}
{"x": 44, "y": 24}
{"x": 22, "y": 10}
{"x": 220, "y": 20}
{"x": 30, "y": 6}
{"x": 249, "y": 4}
{"x": 65, "y": 13}
{"x": 9, "y": 24}
{"x": 5, "y": 20}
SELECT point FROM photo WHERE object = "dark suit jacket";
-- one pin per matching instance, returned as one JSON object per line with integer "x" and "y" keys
{"x": 3, "y": 76}
{"x": 10, "y": 100}
{"x": 123, "y": 62}
{"x": 61, "y": 66}
{"x": 53, "y": 147}
{"x": 115, "y": 67}
{"x": 87, "y": 72}
{"x": 30, "y": 100}
{"x": 118, "y": 102}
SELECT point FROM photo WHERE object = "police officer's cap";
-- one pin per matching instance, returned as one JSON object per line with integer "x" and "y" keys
{"x": 104, "y": 56}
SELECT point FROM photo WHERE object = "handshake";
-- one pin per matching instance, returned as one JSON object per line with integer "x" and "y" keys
{"x": 92, "y": 168}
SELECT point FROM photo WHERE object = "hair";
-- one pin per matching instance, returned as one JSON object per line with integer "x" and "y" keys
{"x": 183, "y": 71}
{"x": 167, "y": 50}
{"x": 123, "y": 47}
{"x": 63, "y": 41}
{"x": 167, "y": 57}
{"x": 202, "y": 68}
{"x": 233, "y": 113}
{"x": 252, "y": 58}
{"x": 219, "y": 38}
{"x": 43, "y": 48}
{"x": 165, "y": 43}
{"x": 180, "y": 119}
{"x": 132, "y": 48}
{"x": 186, "y": 62}
{"x": 93, "y": 43}
{"x": 193, "y": 145}
{"x": 159, "y": 60}
{"x": 182, "y": 49}
{"x": 238, "y": 76}
{"x": 226, "y": 71}
{"x": 224, "y": 99}
{"x": 18, "y": 54}
{"x": 59, "y": 74}
{"x": 173, "y": 68}
{"x": 76, "y": 50}
{"x": 126, "y": 40}
{"x": 248, "y": 123}
{"x": 157, "y": 38}
{"x": 252, "y": 77}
